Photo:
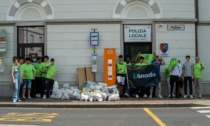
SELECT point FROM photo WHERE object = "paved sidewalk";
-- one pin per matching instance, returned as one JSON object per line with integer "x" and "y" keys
{"x": 124, "y": 102}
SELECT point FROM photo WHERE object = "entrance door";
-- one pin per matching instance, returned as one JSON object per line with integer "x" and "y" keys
{"x": 132, "y": 49}
{"x": 30, "y": 42}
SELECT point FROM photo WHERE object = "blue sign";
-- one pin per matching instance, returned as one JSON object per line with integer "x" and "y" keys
{"x": 94, "y": 38}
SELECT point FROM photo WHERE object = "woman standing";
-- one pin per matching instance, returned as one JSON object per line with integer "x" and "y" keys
{"x": 16, "y": 79}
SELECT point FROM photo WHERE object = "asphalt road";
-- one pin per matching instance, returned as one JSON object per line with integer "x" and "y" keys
{"x": 105, "y": 117}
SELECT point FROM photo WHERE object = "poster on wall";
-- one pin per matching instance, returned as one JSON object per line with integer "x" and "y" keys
{"x": 137, "y": 33}
{"x": 164, "y": 49}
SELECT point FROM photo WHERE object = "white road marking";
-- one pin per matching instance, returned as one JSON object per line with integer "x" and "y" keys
{"x": 200, "y": 107}
{"x": 204, "y": 111}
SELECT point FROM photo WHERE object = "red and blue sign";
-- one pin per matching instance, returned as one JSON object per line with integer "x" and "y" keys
{"x": 164, "y": 49}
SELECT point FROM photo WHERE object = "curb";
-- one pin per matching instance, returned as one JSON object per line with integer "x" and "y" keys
{"x": 98, "y": 105}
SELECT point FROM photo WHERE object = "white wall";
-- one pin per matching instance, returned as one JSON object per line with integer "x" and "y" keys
{"x": 204, "y": 51}
{"x": 181, "y": 43}
{"x": 204, "y": 10}
{"x": 100, "y": 9}
{"x": 178, "y": 8}
{"x": 69, "y": 45}
{"x": 5, "y": 76}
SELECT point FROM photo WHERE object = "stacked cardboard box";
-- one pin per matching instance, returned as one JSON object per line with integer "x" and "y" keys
{"x": 84, "y": 74}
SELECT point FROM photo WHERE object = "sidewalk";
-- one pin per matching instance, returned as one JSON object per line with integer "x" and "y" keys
{"x": 123, "y": 103}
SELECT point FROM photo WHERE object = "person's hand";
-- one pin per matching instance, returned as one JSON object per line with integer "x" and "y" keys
{"x": 13, "y": 81}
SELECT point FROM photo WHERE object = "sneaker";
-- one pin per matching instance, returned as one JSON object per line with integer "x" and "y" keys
{"x": 185, "y": 96}
{"x": 169, "y": 96}
{"x": 127, "y": 95}
{"x": 19, "y": 100}
{"x": 14, "y": 101}
{"x": 145, "y": 96}
{"x": 174, "y": 95}
{"x": 191, "y": 96}
{"x": 44, "y": 96}
{"x": 29, "y": 98}
{"x": 23, "y": 97}
{"x": 160, "y": 96}
{"x": 38, "y": 95}
{"x": 150, "y": 96}
{"x": 137, "y": 96}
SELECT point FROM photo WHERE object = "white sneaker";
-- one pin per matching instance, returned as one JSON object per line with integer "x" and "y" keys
{"x": 169, "y": 96}
{"x": 145, "y": 96}
{"x": 14, "y": 101}
{"x": 44, "y": 96}
{"x": 160, "y": 96}
{"x": 127, "y": 95}
{"x": 137, "y": 96}
{"x": 150, "y": 96}
{"x": 19, "y": 100}
{"x": 29, "y": 97}
{"x": 191, "y": 96}
{"x": 38, "y": 95}
{"x": 185, "y": 96}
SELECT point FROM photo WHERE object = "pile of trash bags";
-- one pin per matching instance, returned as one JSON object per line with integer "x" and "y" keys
{"x": 91, "y": 92}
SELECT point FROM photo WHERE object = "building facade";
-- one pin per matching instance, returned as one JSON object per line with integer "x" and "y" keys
{"x": 61, "y": 29}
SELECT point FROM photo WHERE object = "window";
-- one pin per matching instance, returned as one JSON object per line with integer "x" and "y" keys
{"x": 40, "y": 39}
{"x": 31, "y": 39}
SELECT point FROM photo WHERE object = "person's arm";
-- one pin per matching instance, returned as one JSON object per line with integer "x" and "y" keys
{"x": 12, "y": 74}
{"x": 34, "y": 71}
{"x": 202, "y": 67}
{"x": 139, "y": 54}
{"x": 180, "y": 70}
{"x": 163, "y": 61}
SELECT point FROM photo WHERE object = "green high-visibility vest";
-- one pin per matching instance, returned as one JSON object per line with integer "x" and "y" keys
{"x": 121, "y": 65}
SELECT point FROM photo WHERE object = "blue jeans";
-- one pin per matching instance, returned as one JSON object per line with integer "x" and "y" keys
{"x": 27, "y": 84}
{"x": 16, "y": 89}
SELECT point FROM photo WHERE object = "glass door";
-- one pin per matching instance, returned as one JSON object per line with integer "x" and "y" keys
{"x": 30, "y": 42}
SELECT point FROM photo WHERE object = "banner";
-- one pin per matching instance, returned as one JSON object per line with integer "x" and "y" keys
{"x": 137, "y": 33}
{"x": 143, "y": 76}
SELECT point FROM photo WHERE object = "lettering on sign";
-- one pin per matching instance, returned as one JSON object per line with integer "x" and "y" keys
{"x": 176, "y": 27}
{"x": 137, "y": 33}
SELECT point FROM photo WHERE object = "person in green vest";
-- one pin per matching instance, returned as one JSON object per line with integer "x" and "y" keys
{"x": 145, "y": 91}
{"x": 43, "y": 70}
{"x": 198, "y": 68}
{"x": 147, "y": 57}
{"x": 121, "y": 68}
{"x": 38, "y": 78}
{"x": 50, "y": 77}
{"x": 28, "y": 75}
{"x": 128, "y": 61}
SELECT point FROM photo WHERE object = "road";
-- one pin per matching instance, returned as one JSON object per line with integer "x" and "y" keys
{"x": 197, "y": 116}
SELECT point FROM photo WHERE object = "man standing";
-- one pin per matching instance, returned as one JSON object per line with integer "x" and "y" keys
{"x": 145, "y": 90}
{"x": 188, "y": 73}
{"x": 50, "y": 76}
{"x": 121, "y": 73}
{"x": 38, "y": 86}
{"x": 198, "y": 68}
{"x": 44, "y": 69}
{"x": 157, "y": 62}
{"x": 175, "y": 75}
{"x": 28, "y": 75}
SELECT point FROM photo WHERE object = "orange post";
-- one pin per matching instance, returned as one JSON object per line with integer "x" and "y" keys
{"x": 110, "y": 66}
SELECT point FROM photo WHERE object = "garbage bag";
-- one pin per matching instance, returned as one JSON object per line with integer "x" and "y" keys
{"x": 65, "y": 96}
{"x": 66, "y": 86}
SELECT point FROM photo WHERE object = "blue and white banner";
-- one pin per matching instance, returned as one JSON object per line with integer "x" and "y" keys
{"x": 143, "y": 76}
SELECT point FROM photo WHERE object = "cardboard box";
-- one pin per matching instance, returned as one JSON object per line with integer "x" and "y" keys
{"x": 89, "y": 74}
{"x": 81, "y": 77}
